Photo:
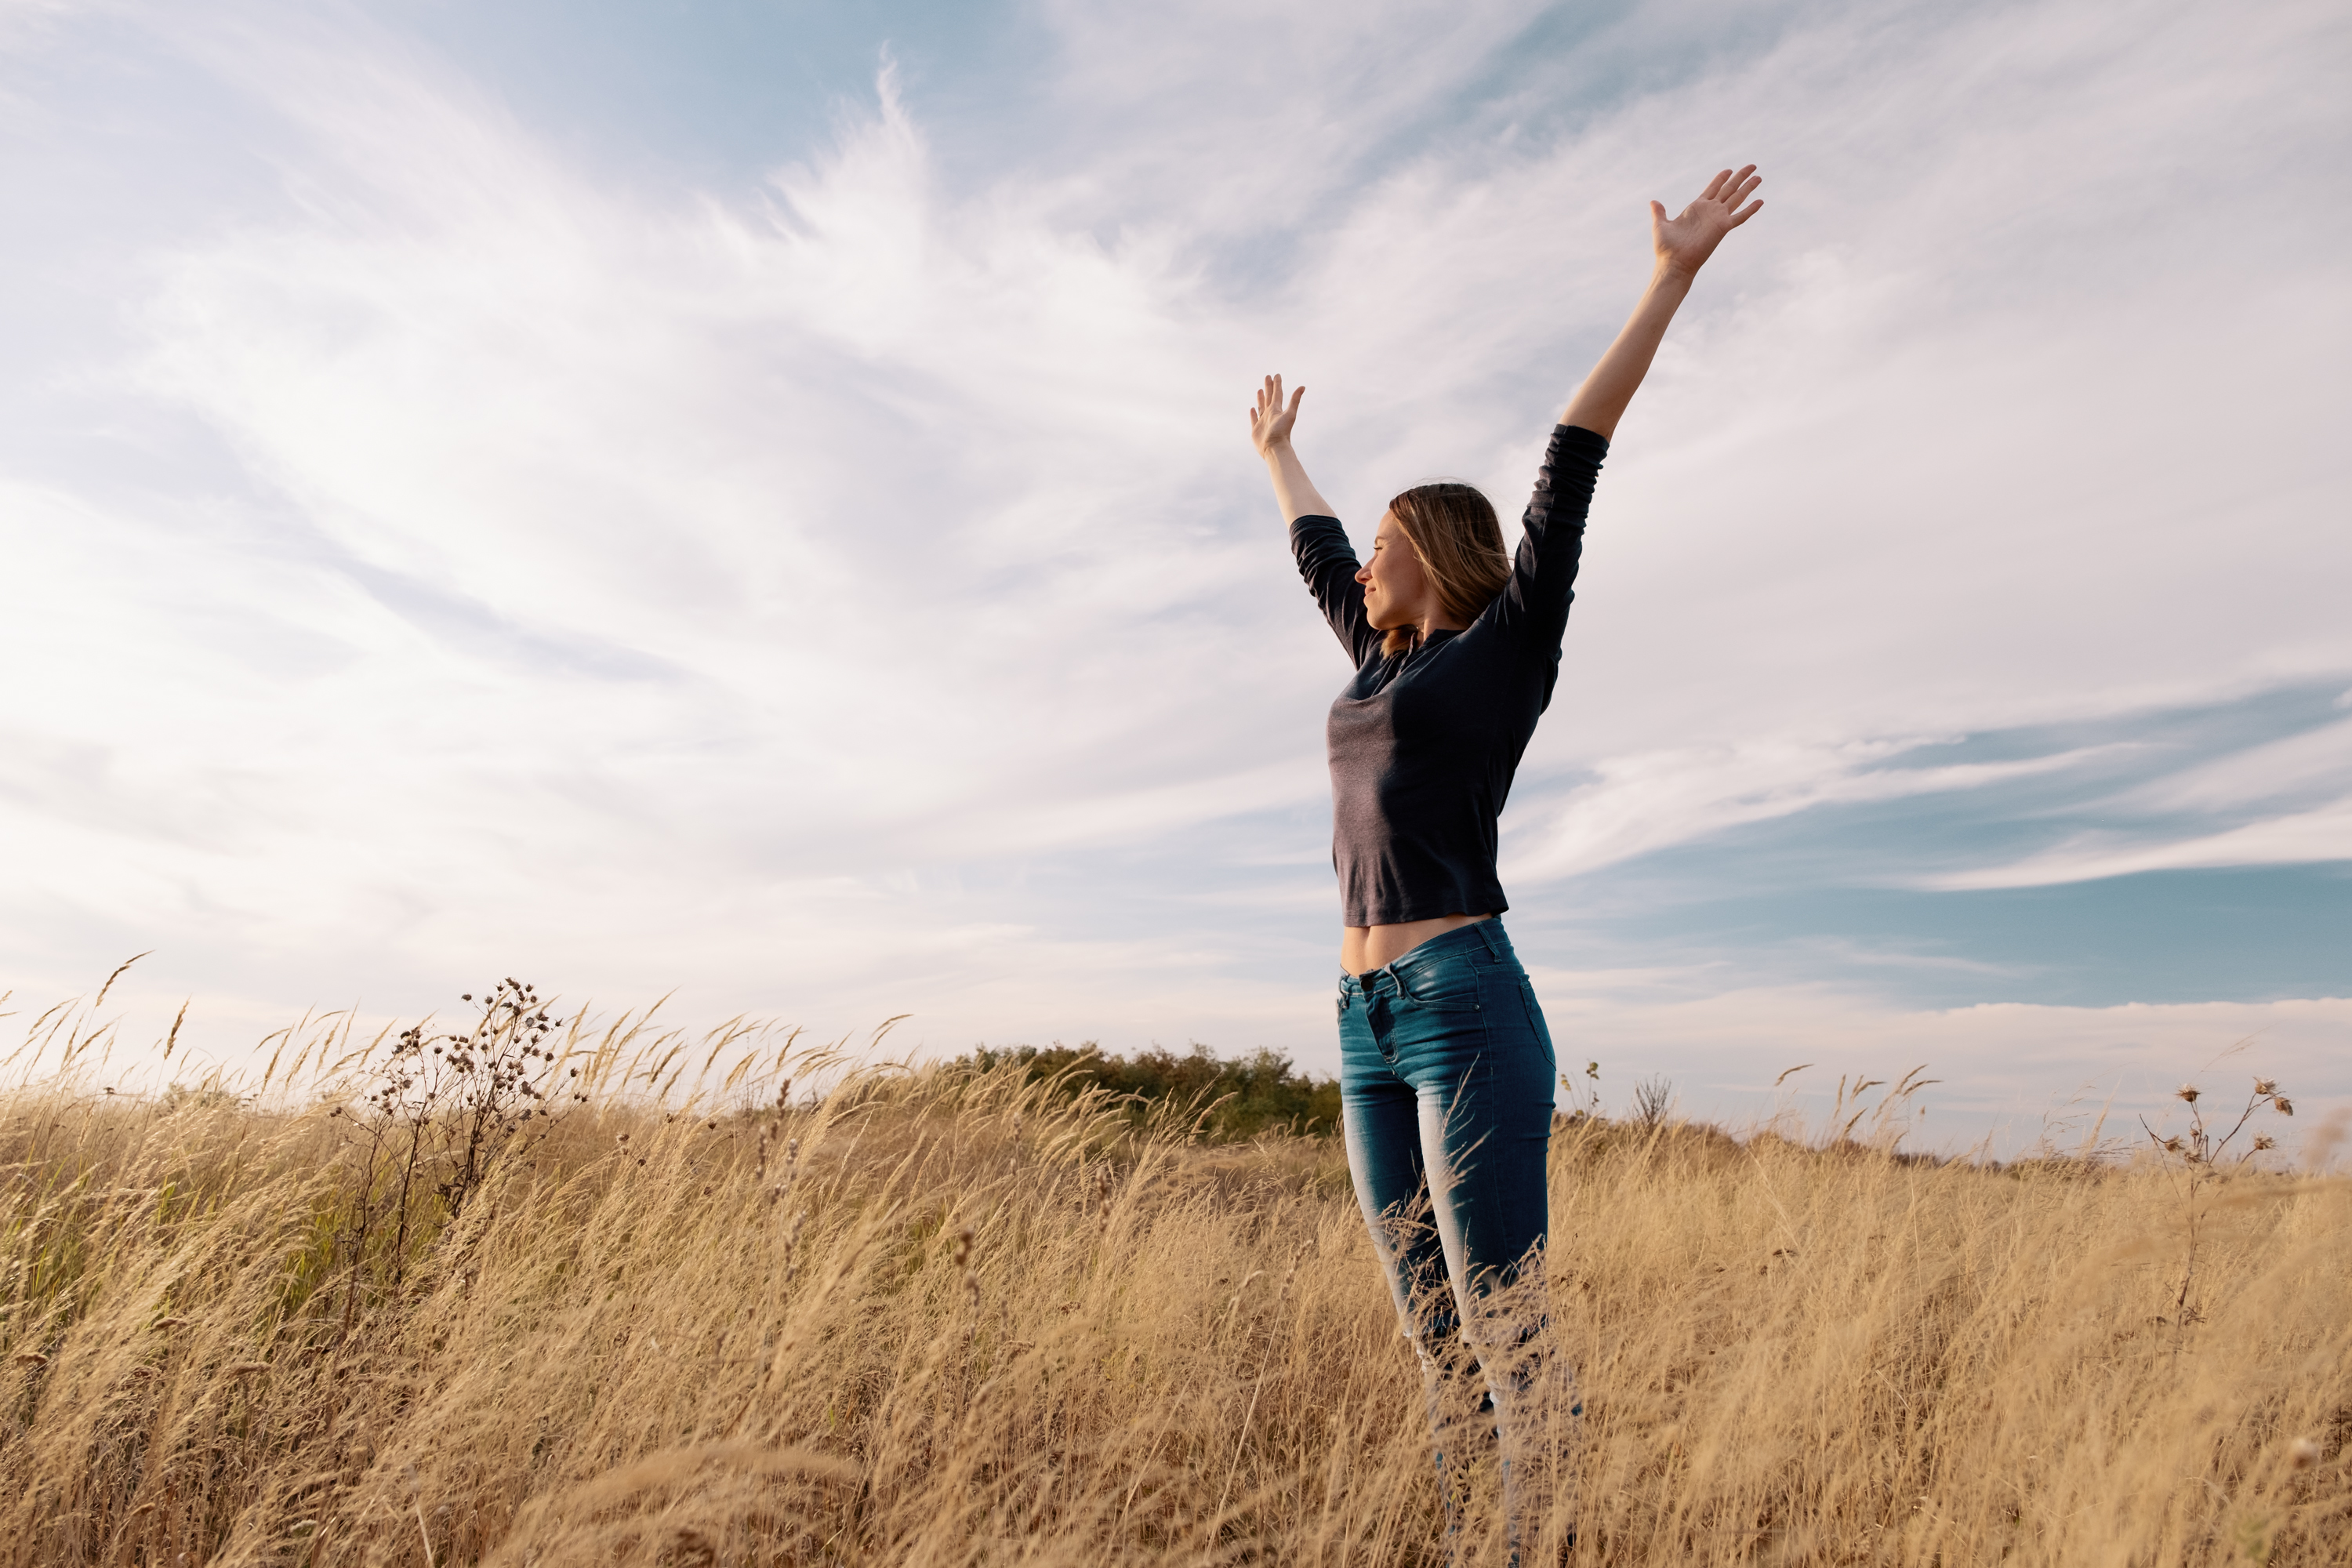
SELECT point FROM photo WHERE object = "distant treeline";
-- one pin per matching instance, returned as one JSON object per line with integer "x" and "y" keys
{"x": 1250, "y": 1094}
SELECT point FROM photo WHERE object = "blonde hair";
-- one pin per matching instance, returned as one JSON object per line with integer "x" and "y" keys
{"x": 1452, "y": 531}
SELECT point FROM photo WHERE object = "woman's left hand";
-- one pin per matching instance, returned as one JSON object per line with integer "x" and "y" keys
{"x": 1684, "y": 242}
{"x": 1683, "y": 245}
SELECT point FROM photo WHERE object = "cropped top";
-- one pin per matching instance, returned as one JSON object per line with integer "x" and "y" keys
{"x": 1423, "y": 743}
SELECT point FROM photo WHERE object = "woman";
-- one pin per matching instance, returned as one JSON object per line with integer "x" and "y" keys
{"x": 1445, "y": 1066}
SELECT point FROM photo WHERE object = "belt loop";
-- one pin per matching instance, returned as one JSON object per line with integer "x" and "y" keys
{"x": 1491, "y": 928}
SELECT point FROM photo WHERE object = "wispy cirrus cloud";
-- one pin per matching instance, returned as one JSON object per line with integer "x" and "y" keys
{"x": 2295, "y": 838}
{"x": 1653, "y": 801}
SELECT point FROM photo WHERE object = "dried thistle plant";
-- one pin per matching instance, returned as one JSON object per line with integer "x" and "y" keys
{"x": 443, "y": 1110}
{"x": 2199, "y": 1152}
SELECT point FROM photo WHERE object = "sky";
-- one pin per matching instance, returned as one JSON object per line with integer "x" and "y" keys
{"x": 749, "y": 504}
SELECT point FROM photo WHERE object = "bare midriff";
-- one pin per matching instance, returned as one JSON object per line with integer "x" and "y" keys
{"x": 1363, "y": 949}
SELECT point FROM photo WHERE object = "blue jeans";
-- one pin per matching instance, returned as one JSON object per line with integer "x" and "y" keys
{"x": 1445, "y": 1082}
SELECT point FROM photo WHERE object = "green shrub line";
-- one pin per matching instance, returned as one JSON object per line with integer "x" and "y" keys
{"x": 1238, "y": 1098}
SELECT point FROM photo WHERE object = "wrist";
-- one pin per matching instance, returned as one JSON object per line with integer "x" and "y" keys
{"x": 1673, "y": 274}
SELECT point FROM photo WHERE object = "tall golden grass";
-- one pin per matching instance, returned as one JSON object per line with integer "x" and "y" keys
{"x": 943, "y": 1318}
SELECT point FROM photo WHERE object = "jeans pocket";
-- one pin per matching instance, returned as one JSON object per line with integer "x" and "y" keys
{"x": 1449, "y": 984}
{"x": 1536, "y": 1021}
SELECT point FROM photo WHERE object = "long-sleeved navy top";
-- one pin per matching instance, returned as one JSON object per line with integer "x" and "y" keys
{"x": 1423, "y": 743}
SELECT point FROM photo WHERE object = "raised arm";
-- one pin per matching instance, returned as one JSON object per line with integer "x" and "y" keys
{"x": 1324, "y": 557}
{"x": 1683, "y": 245}
{"x": 1270, "y": 424}
{"x": 1534, "y": 604}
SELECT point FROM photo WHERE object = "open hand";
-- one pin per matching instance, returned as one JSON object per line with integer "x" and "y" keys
{"x": 1684, "y": 242}
{"x": 1270, "y": 422}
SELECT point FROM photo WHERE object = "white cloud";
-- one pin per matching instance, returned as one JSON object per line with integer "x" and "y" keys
{"x": 2318, "y": 759}
{"x": 2295, "y": 838}
{"x": 1653, "y": 800}
{"x": 2292, "y": 790}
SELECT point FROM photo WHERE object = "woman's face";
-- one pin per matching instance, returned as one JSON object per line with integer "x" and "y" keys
{"x": 1397, "y": 590}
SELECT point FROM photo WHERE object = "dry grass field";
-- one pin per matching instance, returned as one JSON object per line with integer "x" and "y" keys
{"x": 377, "y": 1315}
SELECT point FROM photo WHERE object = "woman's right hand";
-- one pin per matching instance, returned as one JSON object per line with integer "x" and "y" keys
{"x": 1270, "y": 421}
{"x": 1270, "y": 424}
